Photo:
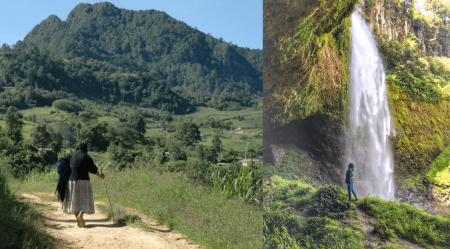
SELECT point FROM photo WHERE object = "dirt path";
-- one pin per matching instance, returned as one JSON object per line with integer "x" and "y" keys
{"x": 102, "y": 233}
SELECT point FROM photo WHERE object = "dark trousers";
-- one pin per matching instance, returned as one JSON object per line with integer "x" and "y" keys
{"x": 350, "y": 191}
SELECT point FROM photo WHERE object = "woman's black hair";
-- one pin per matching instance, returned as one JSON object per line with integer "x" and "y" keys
{"x": 81, "y": 146}
{"x": 350, "y": 165}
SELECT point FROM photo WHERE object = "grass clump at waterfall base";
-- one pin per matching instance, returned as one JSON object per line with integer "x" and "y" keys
{"x": 204, "y": 215}
{"x": 20, "y": 224}
{"x": 408, "y": 222}
{"x": 298, "y": 215}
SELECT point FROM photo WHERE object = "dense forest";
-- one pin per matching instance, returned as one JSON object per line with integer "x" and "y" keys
{"x": 140, "y": 57}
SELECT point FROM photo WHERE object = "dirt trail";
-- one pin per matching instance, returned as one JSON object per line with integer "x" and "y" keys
{"x": 102, "y": 233}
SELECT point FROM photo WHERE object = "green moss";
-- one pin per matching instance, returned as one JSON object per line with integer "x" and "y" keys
{"x": 438, "y": 166}
{"x": 326, "y": 29}
{"x": 409, "y": 222}
{"x": 443, "y": 176}
{"x": 288, "y": 197}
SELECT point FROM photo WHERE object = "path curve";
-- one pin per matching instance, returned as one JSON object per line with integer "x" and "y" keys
{"x": 102, "y": 233}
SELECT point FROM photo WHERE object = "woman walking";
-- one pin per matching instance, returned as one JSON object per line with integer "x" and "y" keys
{"x": 79, "y": 198}
{"x": 349, "y": 180}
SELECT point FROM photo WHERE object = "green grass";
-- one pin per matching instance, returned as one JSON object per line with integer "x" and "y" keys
{"x": 439, "y": 167}
{"x": 205, "y": 216}
{"x": 409, "y": 222}
{"x": 118, "y": 214}
{"x": 20, "y": 223}
{"x": 253, "y": 116}
{"x": 443, "y": 176}
{"x": 321, "y": 207}
{"x": 314, "y": 228}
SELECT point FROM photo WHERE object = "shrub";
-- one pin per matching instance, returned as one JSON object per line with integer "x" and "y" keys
{"x": 67, "y": 105}
{"x": 176, "y": 166}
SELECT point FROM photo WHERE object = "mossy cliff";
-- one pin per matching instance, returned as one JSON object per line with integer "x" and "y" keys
{"x": 306, "y": 77}
{"x": 306, "y": 58}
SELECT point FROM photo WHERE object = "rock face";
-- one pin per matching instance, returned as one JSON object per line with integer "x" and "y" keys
{"x": 394, "y": 23}
{"x": 318, "y": 138}
{"x": 426, "y": 199}
{"x": 387, "y": 21}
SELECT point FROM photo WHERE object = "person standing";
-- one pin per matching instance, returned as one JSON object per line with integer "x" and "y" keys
{"x": 349, "y": 180}
{"x": 79, "y": 197}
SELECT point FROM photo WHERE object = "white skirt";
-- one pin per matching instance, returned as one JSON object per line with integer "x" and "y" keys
{"x": 79, "y": 197}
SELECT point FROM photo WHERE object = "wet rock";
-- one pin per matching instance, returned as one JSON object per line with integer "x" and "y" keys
{"x": 426, "y": 182}
{"x": 380, "y": 231}
{"x": 278, "y": 153}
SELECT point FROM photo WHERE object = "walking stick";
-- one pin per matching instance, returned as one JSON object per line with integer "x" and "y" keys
{"x": 109, "y": 199}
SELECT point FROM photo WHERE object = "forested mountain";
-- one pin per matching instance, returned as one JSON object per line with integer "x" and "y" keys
{"x": 133, "y": 56}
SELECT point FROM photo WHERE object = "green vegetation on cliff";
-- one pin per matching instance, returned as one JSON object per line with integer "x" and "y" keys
{"x": 314, "y": 59}
{"x": 418, "y": 77}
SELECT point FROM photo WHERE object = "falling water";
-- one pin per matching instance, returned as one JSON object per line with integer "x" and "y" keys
{"x": 368, "y": 145}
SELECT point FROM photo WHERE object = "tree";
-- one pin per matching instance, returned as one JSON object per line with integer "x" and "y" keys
{"x": 14, "y": 126}
{"x": 440, "y": 8}
{"x": 188, "y": 133}
{"x": 137, "y": 122}
{"x": 94, "y": 136}
{"x": 216, "y": 144}
{"x": 57, "y": 141}
{"x": 167, "y": 119}
{"x": 178, "y": 154}
{"x": 40, "y": 136}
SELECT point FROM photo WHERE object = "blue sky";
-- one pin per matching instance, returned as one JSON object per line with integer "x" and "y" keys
{"x": 236, "y": 21}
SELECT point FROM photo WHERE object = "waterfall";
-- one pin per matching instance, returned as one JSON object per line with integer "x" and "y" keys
{"x": 369, "y": 124}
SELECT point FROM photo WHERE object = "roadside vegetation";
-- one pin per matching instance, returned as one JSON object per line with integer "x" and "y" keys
{"x": 20, "y": 222}
{"x": 204, "y": 215}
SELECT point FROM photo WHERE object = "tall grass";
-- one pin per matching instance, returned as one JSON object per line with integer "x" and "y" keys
{"x": 244, "y": 182}
{"x": 206, "y": 216}
{"x": 20, "y": 225}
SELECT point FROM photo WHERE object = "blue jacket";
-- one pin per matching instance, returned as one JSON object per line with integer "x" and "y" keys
{"x": 349, "y": 176}
{"x": 63, "y": 169}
